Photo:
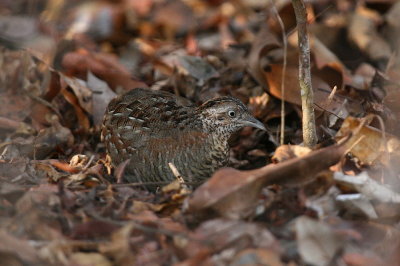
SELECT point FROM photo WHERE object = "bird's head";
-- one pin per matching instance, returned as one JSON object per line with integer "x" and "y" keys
{"x": 227, "y": 115}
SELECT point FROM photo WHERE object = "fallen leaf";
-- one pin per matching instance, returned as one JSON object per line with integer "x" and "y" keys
{"x": 356, "y": 205}
{"x": 362, "y": 30}
{"x": 317, "y": 242}
{"x": 286, "y": 152}
{"x": 369, "y": 188}
{"x": 234, "y": 194}
{"x": 17, "y": 250}
{"x": 104, "y": 66}
{"x": 222, "y": 233}
{"x": 368, "y": 144}
{"x": 102, "y": 95}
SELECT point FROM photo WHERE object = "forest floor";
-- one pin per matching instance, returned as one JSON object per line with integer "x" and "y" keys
{"x": 61, "y": 203}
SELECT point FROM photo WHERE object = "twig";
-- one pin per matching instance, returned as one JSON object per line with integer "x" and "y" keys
{"x": 9, "y": 124}
{"x": 176, "y": 173}
{"x": 332, "y": 94}
{"x": 284, "y": 41}
{"x": 88, "y": 163}
{"x": 307, "y": 97}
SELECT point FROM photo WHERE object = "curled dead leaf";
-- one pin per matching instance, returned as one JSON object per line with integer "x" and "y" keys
{"x": 104, "y": 66}
{"x": 367, "y": 143}
{"x": 233, "y": 193}
{"x": 286, "y": 152}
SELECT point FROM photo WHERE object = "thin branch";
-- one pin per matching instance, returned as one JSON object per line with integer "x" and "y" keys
{"x": 284, "y": 41}
{"x": 307, "y": 97}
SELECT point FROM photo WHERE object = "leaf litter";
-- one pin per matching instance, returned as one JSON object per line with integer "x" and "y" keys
{"x": 61, "y": 202}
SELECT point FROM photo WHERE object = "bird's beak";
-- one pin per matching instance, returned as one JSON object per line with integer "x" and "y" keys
{"x": 252, "y": 122}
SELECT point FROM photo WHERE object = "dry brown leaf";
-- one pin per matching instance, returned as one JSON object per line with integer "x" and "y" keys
{"x": 48, "y": 170}
{"x": 115, "y": 40}
{"x": 291, "y": 83}
{"x": 362, "y": 30}
{"x": 104, "y": 66}
{"x": 119, "y": 247}
{"x": 383, "y": 239}
{"x": 258, "y": 105}
{"x": 327, "y": 73}
{"x": 92, "y": 229}
{"x": 322, "y": 90}
{"x": 102, "y": 95}
{"x": 369, "y": 188}
{"x": 367, "y": 143}
{"x": 220, "y": 234}
{"x": 355, "y": 205}
{"x": 286, "y": 152}
{"x": 18, "y": 250}
{"x": 140, "y": 206}
{"x": 88, "y": 16}
{"x": 78, "y": 161}
{"x": 81, "y": 90}
{"x": 14, "y": 106}
{"x": 233, "y": 193}
{"x": 184, "y": 18}
{"x": 317, "y": 242}
{"x": 36, "y": 214}
{"x": 40, "y": 146}
{"x": 265, "y": 42}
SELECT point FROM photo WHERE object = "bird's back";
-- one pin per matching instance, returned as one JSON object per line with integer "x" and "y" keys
{"x": 152, "y": 129}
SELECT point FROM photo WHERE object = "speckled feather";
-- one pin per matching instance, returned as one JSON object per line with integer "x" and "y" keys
{"x": 154, "y": 128}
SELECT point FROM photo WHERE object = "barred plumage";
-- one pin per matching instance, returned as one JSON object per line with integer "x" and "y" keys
{"x": 154, "y": 128}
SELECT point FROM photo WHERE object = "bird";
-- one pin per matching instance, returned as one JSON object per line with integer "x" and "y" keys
{"x": 154, "y": 129}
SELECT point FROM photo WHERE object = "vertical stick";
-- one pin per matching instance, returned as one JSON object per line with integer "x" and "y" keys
{"x": 307, "y": 97}
{"x": 284, "y": 41}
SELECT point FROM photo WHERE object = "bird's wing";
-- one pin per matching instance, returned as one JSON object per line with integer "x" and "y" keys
{"x": 142, "y": 118}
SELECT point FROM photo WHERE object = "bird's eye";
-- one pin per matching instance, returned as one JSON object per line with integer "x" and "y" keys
{"x": 231, "y": 113}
